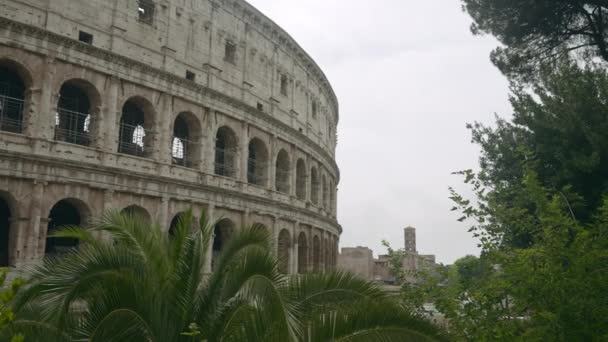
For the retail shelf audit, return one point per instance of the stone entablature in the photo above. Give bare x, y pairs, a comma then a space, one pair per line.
190, 143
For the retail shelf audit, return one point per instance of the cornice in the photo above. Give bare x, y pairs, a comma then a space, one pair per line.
129, 63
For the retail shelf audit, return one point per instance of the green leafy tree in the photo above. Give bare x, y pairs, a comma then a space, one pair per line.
534, 33
6, 297
142, 285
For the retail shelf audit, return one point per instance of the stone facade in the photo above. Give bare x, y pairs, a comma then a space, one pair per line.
361, 261
155, 107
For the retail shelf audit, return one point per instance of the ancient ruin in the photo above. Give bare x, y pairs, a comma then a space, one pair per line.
155, 107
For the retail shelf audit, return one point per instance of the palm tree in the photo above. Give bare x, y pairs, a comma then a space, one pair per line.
140, 284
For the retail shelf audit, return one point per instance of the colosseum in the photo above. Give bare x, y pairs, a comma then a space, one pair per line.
157, 106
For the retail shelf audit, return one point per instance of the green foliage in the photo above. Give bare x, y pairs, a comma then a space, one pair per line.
540, 216
6, 297
537, 32
139, 284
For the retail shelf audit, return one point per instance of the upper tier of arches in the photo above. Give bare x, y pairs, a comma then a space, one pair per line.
189, 137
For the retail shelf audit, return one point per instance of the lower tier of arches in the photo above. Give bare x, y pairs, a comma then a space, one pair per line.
36, 200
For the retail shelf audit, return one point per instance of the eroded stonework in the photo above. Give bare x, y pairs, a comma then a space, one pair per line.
155, 107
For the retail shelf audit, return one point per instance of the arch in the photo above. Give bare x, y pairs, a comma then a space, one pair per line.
260, 226
7, 205
137, 211
75, 108
135, 131
257, 163
282, 172
316, 254
284, 245
14, 80
222, 232
185, 145
225, 152
301, 179
314, 186
324, 192
175, 221
66, 212
302, 253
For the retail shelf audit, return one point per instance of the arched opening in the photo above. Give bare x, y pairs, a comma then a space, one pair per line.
73, 118
137, 212
302, 254
225, 152
179, 216
222, 232
260, 226
283, 251
67, 212
257, 163
135, 136
324, 192
5, 225
314, 186
300, 179
12, 99
316, 254
185, 146
282, 172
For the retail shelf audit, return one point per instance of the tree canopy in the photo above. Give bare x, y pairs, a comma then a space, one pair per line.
536, 32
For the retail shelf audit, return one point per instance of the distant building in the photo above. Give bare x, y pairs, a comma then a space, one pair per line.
361, 261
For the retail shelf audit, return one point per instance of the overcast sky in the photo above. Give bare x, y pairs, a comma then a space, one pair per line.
409, 75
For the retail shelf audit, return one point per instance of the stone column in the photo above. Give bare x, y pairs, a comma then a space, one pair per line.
272, 162
35, 246
111, 117
244, 155
292, 171
40, 120
163, 214
209, 254
295, 257
208, 149
162, 141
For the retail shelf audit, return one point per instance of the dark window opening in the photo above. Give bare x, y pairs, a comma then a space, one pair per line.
282, 172
300, 179
145, 10
73, 119
302, 254
132, 133
12, 94
283, 247
260, 107
230, 52
257, 163
190, 76
284, 84
225, 152
85, 37
5, 222
182, 149
314, 109
63, 214
222, 232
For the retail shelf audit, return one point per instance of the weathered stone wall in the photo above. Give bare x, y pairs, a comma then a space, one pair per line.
357, 260
145, 62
